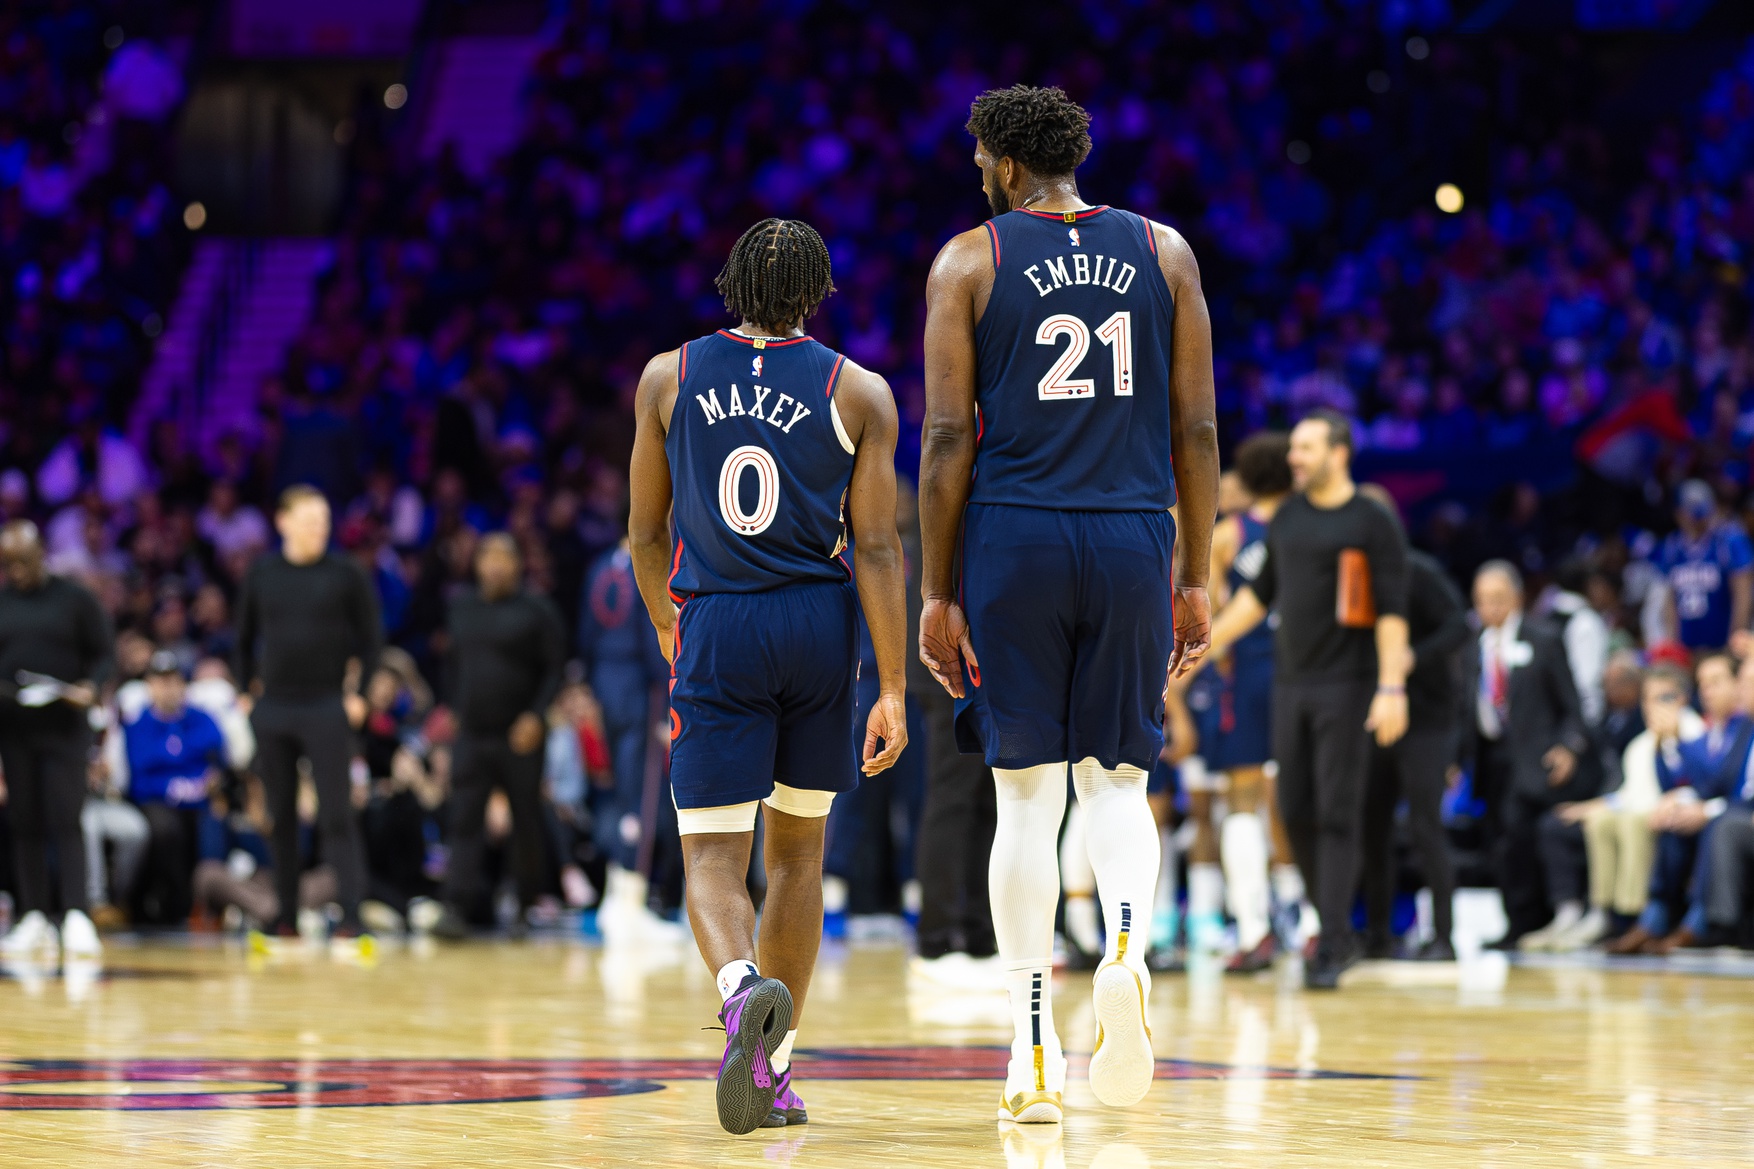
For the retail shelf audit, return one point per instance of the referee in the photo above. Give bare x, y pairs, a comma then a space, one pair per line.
303, 613
56, 649
1338, 675
508, 647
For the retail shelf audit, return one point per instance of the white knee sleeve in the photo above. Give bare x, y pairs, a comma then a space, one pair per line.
1124, 850
796, 801
1023, 879
1243, 844
730, 818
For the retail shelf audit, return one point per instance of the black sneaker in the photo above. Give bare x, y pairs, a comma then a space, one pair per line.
450, 926
1436, 950
1166, 960
1324, 970
1255, 960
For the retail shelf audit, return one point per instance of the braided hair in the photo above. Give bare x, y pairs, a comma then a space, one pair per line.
777, 275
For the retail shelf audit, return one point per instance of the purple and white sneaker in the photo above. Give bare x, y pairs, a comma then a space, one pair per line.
756, 1019
788, 1106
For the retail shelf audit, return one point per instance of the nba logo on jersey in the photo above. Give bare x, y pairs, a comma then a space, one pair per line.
1073, 232
755, 366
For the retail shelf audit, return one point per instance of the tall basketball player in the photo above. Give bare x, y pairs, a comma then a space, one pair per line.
1068, 357
767, 444
1239, 549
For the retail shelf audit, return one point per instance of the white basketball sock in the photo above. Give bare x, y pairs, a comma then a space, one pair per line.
1205, 890
1243, 842
1023, 879
782, 1055
1081, 922
1124, 850
1287, 885
732, 975
1079, 881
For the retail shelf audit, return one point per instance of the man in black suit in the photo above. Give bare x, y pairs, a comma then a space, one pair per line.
1531, 737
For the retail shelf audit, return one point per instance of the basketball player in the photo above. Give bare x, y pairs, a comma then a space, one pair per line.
767, 443
1239, 549
1068, 356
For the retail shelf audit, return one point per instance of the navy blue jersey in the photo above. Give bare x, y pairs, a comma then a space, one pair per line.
1699, 577
1245, 566
1073, 355
760, 465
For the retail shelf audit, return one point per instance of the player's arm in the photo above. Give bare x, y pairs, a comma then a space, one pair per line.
1226, 537
1741, 598
649, 488
960, 275
868, 410
1193, 438
1237, 619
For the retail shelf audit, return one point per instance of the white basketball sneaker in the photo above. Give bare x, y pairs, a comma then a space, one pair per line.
79, 937
31, 937
1122, 1067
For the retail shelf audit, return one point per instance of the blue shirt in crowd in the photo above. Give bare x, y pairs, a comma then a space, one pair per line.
1699, 575
168, 758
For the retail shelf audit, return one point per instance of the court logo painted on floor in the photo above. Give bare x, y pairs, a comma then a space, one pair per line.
193, 1084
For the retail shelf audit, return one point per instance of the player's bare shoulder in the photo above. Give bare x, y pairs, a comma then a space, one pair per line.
964, 263
1175, 258
658, 386
864, 401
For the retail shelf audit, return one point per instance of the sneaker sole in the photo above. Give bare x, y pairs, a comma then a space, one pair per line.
761, 1028
1035, 1112
1123, 1067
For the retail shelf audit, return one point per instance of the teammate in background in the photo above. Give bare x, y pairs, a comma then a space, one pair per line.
1052, 465
1239, 548
1200, 775
767, 443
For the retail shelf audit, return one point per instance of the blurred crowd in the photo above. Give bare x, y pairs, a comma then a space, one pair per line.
470, 361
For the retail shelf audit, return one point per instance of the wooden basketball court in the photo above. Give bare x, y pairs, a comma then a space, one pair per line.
555, 1053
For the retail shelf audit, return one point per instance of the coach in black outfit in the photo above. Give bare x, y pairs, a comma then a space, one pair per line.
1415, 767
52, 627
303, 613
1335, 684
508, 648
1530, 738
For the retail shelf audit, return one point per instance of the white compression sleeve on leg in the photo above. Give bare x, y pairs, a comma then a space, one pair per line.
1023, 880
1078, 880
1243, 844
1124, 850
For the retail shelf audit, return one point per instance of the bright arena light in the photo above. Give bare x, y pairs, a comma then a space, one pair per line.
396, 96
1449, 198
195, 216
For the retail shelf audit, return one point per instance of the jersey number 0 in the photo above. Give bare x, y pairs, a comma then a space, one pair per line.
1116, 333
767, 490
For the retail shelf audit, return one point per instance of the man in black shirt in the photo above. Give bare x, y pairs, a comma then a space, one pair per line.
1416, 766
56, 649
1334, 682
507, 650
303, 613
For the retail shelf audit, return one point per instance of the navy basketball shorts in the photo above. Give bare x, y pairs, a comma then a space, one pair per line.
1247, 740
763, 692
1071, 617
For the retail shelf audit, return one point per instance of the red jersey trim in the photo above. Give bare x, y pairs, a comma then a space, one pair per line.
766, 342
682, 366
834, 375
1061, 215
675, 567
993, 230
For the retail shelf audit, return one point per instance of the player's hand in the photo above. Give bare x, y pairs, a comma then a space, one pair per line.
82, 694
888, 724
1560, 763
945, 644
1193, 628
526, 733
356, 710
667, 633
1388, 717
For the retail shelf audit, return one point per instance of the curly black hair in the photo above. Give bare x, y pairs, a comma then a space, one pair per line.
1041, 128
1261, 465
777, 275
